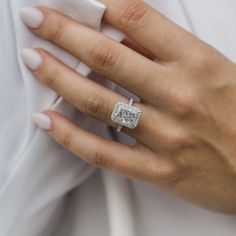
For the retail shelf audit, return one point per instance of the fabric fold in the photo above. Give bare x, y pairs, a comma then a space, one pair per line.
38, 176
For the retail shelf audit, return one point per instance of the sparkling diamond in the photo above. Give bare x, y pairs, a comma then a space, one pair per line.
126, 115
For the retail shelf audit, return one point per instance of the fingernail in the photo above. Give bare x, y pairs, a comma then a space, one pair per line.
42, 120
31, 58
32, 16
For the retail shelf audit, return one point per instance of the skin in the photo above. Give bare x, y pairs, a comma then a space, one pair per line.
186, 138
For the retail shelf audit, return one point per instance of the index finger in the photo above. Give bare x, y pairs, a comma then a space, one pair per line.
148, 27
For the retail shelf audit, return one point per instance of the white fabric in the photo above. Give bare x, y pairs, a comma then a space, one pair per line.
36, 174
34, 170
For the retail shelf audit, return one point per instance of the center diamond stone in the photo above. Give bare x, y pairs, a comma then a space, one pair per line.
126, 115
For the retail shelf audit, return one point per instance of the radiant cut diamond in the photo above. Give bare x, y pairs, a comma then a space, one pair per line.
126, 115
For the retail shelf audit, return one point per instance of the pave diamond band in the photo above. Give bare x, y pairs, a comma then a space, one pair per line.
126, 115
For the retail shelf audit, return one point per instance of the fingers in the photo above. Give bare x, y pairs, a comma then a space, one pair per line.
89, 97
131, 161
148, 27
107, 57
98, 101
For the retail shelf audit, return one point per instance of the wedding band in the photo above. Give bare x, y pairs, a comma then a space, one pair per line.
126, 115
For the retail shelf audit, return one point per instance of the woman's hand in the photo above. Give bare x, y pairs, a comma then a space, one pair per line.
186, 137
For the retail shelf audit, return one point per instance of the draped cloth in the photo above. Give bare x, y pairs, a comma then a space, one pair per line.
44, 189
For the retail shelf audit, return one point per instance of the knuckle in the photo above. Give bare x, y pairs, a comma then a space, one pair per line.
51, 76
188, 105
187, 109
53, 26
103, 55
167, 173
191, 107
131, 14
193, 110
58, 32
101, 160
67, 140
202, 61
181, 144
94, 105
177, 141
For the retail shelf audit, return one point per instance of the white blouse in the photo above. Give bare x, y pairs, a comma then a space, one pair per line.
45, 190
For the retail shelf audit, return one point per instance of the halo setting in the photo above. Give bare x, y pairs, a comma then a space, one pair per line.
126, 115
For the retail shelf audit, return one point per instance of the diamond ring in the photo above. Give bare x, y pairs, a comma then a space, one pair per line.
126, 115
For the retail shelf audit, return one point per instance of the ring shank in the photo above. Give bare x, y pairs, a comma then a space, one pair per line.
119, 128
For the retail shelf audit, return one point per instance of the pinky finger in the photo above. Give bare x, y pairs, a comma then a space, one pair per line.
135, 161
89, 147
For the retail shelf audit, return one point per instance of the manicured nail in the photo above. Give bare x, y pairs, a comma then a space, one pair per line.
31, 16
31, 58
42, 120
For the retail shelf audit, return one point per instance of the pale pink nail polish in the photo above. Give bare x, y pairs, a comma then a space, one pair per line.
32, 16
42, 120
31, 58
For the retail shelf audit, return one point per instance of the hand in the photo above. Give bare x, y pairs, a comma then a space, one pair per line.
186, 137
